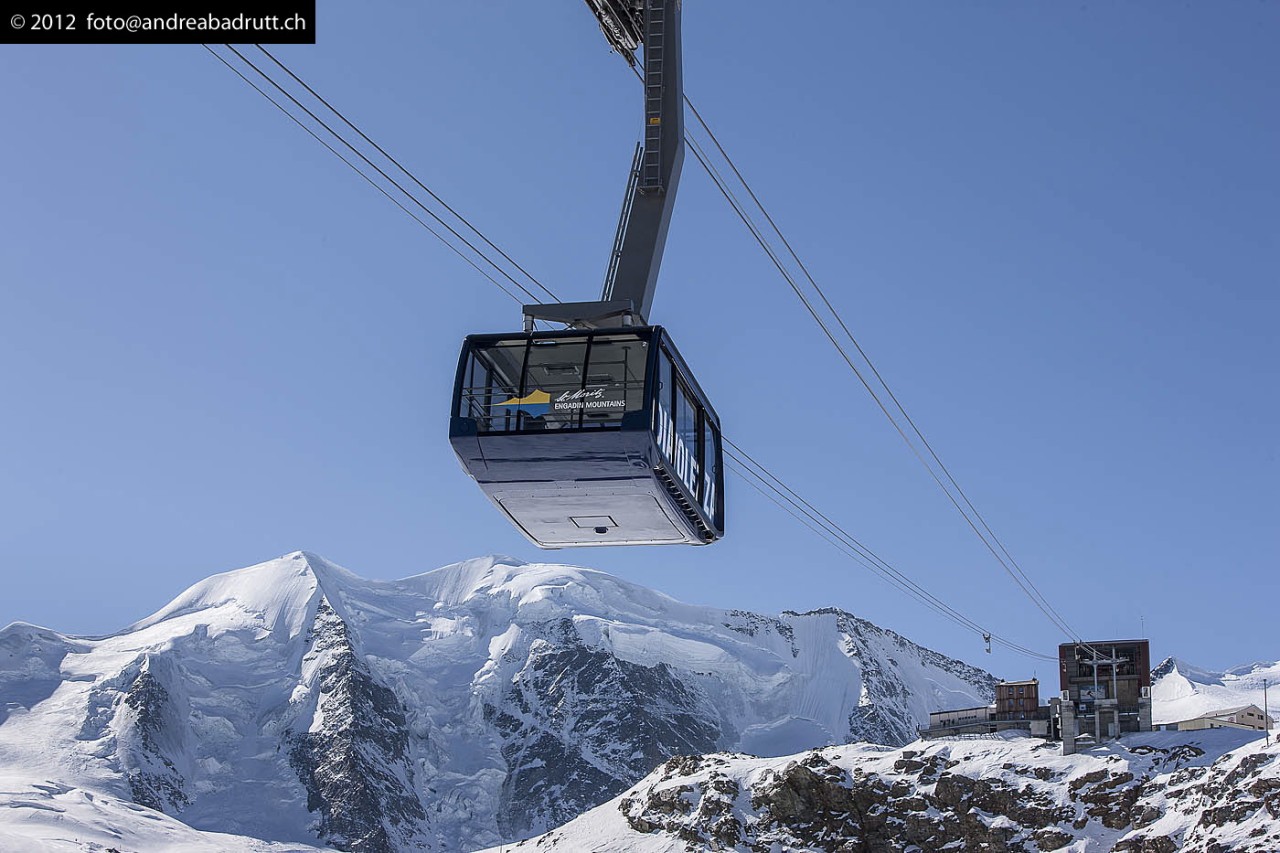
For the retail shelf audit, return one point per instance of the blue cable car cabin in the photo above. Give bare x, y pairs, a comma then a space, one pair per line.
598, 437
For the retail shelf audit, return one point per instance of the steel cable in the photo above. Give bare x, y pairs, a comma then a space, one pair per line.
364, 175
972, 517
505, 274
411, 176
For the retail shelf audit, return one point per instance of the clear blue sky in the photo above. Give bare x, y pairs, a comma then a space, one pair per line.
1053, 226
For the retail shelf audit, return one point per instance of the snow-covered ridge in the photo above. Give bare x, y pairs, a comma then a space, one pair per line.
1207, 791
1183, 691
295, 702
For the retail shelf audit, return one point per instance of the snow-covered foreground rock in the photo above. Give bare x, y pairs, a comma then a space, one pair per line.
1160, 792
294, 702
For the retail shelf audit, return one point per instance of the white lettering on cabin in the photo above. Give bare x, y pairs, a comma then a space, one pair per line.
583, 394
709, 494
576, 405
683, 460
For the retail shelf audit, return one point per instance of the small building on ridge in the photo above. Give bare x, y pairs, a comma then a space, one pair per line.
1018, 700
1241, 717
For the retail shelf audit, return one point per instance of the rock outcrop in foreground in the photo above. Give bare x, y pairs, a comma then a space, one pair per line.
1207, 792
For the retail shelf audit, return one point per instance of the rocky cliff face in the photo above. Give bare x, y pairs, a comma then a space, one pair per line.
577, 722
150, 721
354, 756
885, 714
1210, 792
487, 701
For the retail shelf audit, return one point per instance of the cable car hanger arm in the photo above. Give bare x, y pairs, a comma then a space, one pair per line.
651, 189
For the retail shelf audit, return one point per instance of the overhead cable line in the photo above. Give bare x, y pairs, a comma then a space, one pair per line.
364, 175
945, 481
761, 478
738, 208
412, 176
360, 154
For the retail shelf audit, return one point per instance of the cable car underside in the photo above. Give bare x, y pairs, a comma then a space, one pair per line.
599, 434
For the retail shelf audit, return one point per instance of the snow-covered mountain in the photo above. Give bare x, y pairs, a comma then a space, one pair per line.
1182, 691
297, 703
1156, 792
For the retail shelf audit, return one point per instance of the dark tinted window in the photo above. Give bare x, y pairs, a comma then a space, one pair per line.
554, 381
709, 496
547, 384
686, 457
614, 381
492, 384
686, 418
666, 385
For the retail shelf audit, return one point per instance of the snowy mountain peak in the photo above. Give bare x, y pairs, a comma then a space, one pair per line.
275, 595
1172, 666
545, 587
278, 596
476, 703
1254, 671
458, 582
1182, 691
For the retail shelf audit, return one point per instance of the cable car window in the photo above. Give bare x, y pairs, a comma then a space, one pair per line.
664, 431
477, 385
552, 467
614, 381
686, 456
555, 377
492, 386
666, 386
709, 495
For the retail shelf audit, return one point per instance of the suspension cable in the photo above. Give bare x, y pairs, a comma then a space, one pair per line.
745, 466
364, 175
381, 172
963, 504
411, 176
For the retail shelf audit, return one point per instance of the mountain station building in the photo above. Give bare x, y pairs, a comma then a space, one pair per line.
1017, 707
1105, 689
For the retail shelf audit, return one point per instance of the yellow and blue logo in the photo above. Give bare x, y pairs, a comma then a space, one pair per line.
534, 404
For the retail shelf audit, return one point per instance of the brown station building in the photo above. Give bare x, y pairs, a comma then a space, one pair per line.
1018, 700
1106, 688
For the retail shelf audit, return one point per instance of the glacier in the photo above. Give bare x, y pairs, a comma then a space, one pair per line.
296, 705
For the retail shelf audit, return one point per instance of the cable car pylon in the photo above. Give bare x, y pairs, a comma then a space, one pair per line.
599, 434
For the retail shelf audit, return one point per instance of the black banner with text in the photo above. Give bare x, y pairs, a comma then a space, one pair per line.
157, 21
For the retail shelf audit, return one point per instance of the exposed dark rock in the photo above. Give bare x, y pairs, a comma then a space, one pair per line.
829, 800
1110, 798
580, 725
151, 730
356, 767
1051, 839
